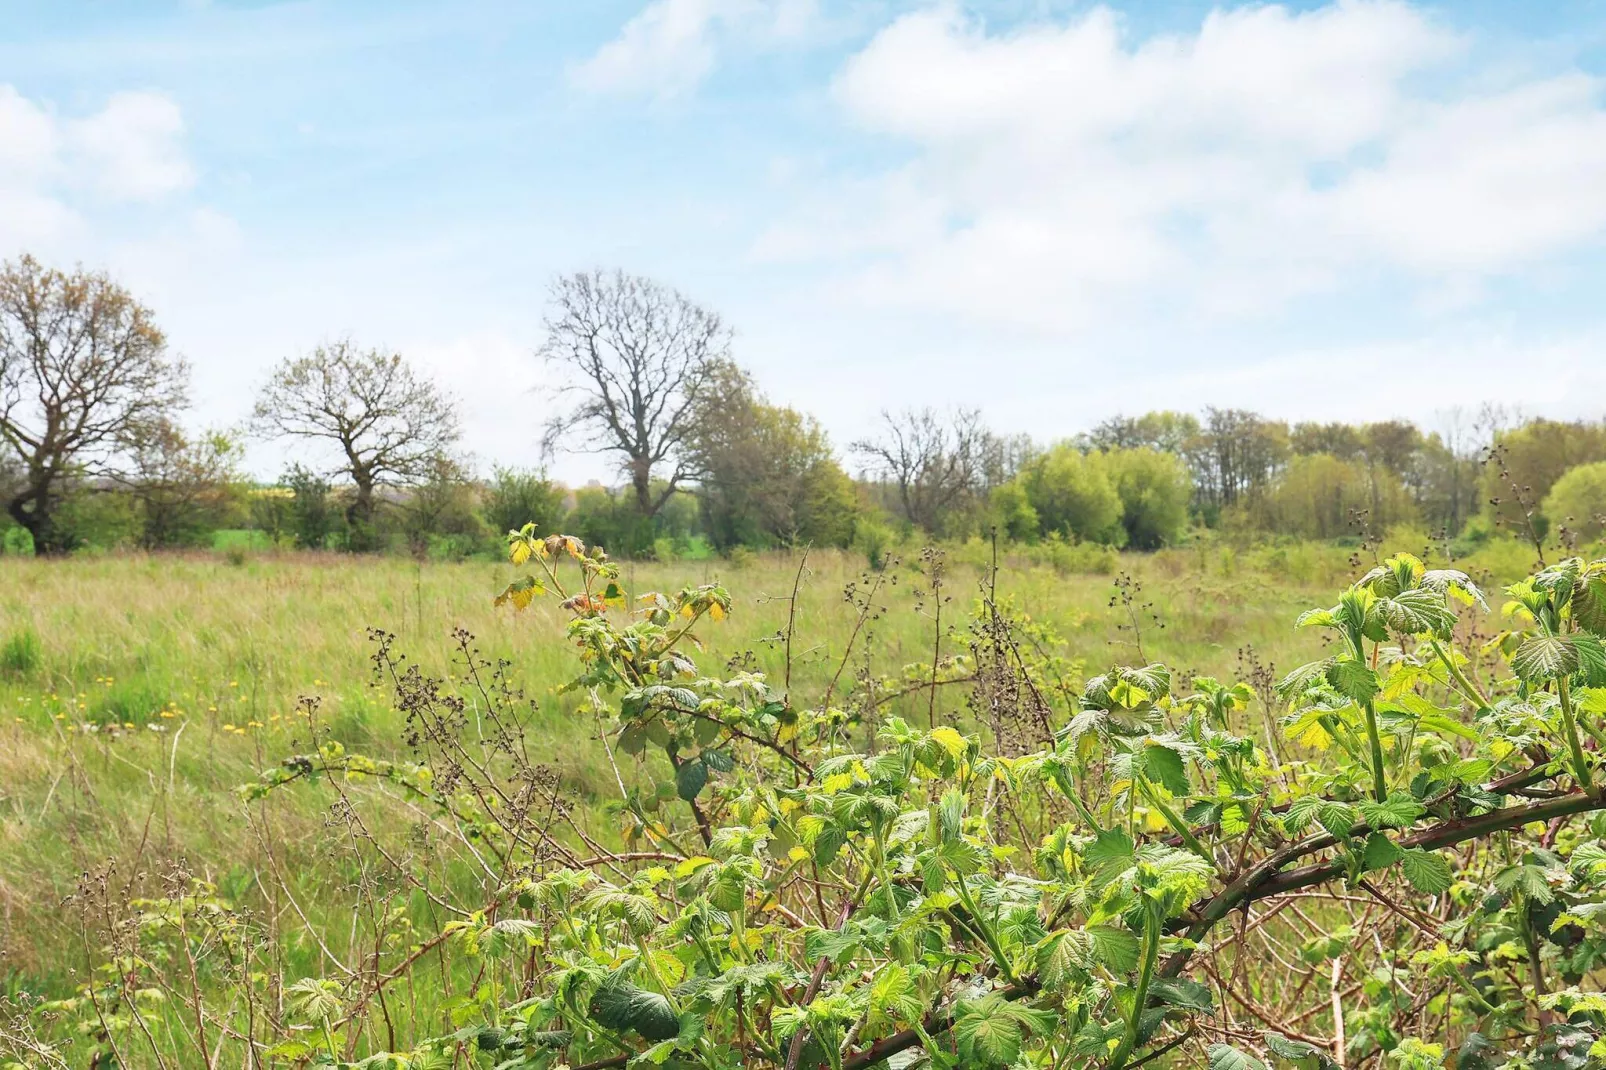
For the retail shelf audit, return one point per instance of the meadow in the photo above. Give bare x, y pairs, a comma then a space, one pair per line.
137, 692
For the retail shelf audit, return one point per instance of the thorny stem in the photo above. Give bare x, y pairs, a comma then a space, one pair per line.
1140, 995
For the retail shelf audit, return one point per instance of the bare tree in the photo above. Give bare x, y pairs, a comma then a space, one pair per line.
935, 465
387, 424
639, 356
82, 367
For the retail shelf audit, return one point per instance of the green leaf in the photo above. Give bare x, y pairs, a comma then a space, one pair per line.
1165, 766
621, 1006
1227, 1057
690, 778
1544, 657
1116, 948
1381, 852
1399, 812
987, 1039
1183, 992
1589, 600
1352, 679
1591, 658
1428, 872
1297, 1051
1110, 855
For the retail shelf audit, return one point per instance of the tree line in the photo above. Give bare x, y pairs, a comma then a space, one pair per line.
94, 450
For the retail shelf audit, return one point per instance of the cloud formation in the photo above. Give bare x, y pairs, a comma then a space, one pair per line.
1060, 172
672, 45
53, 168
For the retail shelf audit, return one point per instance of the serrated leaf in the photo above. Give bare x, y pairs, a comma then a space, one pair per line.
1427, 871
1109, 855
1164, 765
1352, 679
1544, 657
1116, 949
987, 1039
1227, 1057
1183, 992
1381, 852
1398, 812
622, 1007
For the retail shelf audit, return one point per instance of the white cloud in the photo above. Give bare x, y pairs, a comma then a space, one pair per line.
57, 173
133, 148
1061, 173
672, 45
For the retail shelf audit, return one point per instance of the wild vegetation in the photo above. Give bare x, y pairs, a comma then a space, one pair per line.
1187, 740
911, 824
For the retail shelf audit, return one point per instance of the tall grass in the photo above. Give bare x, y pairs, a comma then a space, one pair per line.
137, 691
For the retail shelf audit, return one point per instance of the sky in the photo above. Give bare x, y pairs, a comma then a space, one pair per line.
1053, 211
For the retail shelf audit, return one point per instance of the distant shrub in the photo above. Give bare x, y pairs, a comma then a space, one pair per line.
518, 496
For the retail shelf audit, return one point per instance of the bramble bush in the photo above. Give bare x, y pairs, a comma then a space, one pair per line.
1128, 869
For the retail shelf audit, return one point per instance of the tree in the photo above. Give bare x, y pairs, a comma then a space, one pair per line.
937, 466
1073, 495
83, 367
1577, 502
1154, 489
1235, 455
441, 505
1170, 432
1530, 459
386, 424
179, 484
639, 356
516, 497
766, 473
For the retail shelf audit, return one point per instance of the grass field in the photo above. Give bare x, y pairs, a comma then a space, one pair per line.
136, 691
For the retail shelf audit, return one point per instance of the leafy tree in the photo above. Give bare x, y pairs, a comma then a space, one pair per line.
1528, 462
1154, 489
383, 423
442, 505
1235, 455
1319, 496
315, 519
1168, 432
639, 356
1073, 495
83, 368
766, 474
182, 487
515, 497
1577, 501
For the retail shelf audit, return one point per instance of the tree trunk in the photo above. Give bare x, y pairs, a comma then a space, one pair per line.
360, 535
641, 480
39, 521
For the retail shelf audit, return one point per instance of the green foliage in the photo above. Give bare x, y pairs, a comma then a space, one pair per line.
849, 869
1577, 501
314, 518
1073, 496
515, 497
1154, 489
1531, 460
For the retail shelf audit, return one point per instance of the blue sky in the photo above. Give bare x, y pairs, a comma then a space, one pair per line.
1055, 211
